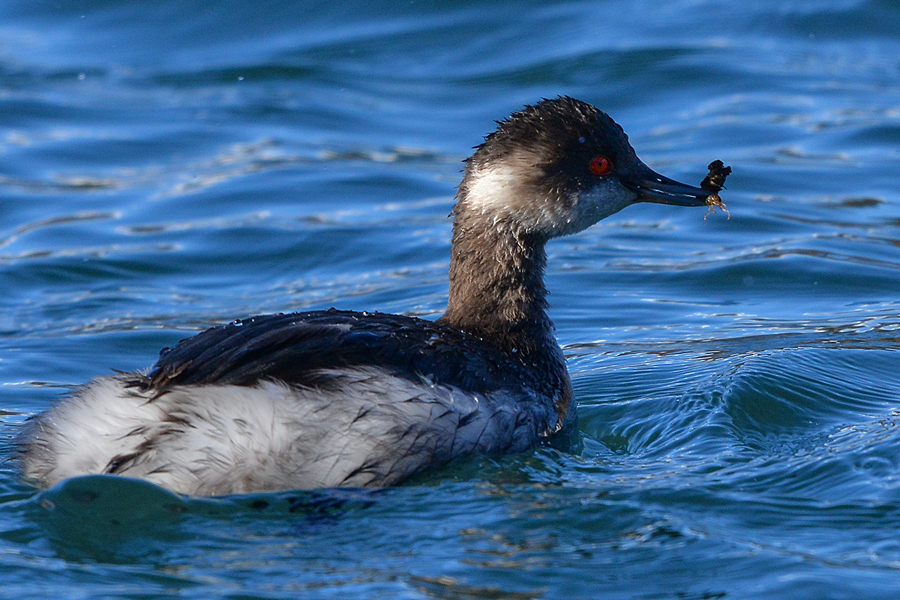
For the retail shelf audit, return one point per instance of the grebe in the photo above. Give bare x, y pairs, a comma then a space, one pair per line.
339, 398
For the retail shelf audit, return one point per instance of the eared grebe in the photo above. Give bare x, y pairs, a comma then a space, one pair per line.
340, 398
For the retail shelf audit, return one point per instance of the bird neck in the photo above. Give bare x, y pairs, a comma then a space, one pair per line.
497, 287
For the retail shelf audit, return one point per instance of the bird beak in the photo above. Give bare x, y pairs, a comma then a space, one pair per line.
650, 186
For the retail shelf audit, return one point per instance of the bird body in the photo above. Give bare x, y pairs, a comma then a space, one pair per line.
341, 398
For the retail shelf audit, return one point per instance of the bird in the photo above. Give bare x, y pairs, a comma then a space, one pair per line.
340, 398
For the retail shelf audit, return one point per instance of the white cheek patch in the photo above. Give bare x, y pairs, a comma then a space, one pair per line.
493, 191
508, 191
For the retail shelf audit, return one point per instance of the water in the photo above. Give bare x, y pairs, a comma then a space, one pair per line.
166, 166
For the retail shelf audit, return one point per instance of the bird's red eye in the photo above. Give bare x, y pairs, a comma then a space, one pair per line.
600, 165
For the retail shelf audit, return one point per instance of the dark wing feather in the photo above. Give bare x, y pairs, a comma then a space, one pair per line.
296, 348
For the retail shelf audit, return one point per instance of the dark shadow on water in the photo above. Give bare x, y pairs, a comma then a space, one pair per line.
114, 519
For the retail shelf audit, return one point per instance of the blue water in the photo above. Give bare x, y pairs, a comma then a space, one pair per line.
166, 166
